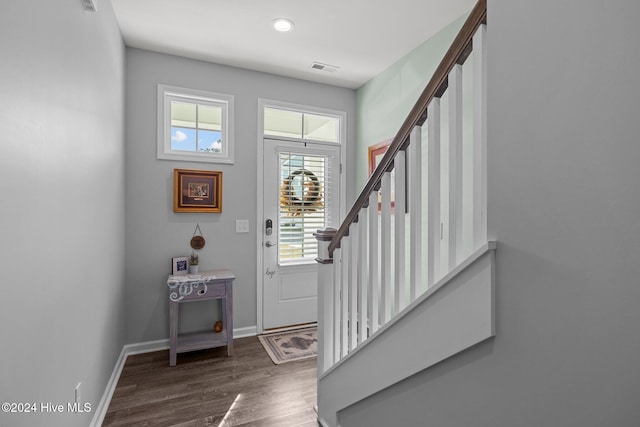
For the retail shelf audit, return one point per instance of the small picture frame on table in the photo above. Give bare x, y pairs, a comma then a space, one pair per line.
180, 265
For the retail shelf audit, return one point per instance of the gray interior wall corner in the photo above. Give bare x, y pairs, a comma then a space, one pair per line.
62, 317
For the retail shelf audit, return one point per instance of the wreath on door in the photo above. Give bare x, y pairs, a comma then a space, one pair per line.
311, 198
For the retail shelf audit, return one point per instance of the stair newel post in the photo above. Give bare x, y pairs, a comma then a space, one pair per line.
325, 299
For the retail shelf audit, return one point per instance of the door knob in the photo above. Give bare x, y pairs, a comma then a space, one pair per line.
270, 244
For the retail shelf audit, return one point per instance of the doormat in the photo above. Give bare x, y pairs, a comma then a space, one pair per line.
290, 346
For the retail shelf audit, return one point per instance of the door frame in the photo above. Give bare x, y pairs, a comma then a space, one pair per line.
262, 103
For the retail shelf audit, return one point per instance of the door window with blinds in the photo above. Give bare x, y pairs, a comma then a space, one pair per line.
303, 207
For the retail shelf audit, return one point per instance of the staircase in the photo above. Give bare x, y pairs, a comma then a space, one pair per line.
408, 279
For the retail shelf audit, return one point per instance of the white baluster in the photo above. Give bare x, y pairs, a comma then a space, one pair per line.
480, 137
455, 165
400, 248
344, 297
337, 307
415, 210
362, 275
386, 301
374, 264
433, 173
354, 263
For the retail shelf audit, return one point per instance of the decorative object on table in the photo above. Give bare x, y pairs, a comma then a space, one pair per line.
290, 346
301, 192
217, 327
197, 241
180, 265
197, 191
194, 261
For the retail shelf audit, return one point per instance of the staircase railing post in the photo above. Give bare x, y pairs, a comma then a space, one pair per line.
325, 299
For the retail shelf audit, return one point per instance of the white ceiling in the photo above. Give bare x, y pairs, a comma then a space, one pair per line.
362, 37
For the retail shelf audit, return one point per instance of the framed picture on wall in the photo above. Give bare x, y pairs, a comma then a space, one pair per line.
376, 153
197, 191
180, 265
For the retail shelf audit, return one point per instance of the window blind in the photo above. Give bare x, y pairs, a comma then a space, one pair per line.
304, 206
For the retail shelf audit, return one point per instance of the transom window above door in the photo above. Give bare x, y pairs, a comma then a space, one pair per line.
194, 125
298, 125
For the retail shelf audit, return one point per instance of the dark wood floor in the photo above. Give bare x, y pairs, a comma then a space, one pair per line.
207, 388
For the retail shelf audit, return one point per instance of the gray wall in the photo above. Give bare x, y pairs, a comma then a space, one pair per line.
62, 209
563, 204
154, 233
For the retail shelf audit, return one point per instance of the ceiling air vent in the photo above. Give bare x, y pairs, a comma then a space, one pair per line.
324, 67
90, 5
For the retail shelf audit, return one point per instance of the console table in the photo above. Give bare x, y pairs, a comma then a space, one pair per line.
207, 285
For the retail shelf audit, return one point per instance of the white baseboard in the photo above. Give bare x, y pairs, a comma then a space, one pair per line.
322, 422
101, 410
140, 348
146, 347
249, 331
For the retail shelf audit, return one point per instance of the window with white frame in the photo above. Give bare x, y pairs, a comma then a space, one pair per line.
194, 125
284, 123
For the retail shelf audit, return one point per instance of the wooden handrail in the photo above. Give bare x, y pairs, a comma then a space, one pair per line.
457, 54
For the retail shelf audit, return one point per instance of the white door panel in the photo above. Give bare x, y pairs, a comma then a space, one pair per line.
301, 186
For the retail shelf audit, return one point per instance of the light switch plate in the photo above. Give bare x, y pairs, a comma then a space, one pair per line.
242, 226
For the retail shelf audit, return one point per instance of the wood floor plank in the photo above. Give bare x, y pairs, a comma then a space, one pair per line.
206, 388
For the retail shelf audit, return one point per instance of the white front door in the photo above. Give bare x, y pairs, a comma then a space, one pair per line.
301, 195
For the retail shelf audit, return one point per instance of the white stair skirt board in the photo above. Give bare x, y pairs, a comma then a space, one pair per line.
139, 348
456, 313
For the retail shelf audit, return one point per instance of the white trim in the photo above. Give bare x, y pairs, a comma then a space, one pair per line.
290, 328
262, 103
141, 348
457, 313
248, 331
127, 350
386, 298
101, 410
455, 166
479, 253
259, 216
374, 267
399, 245
434, 209
480, 136
224, 101
146, 347
415, 208
342, 115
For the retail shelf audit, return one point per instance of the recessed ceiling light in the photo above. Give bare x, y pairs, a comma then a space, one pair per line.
283, 25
